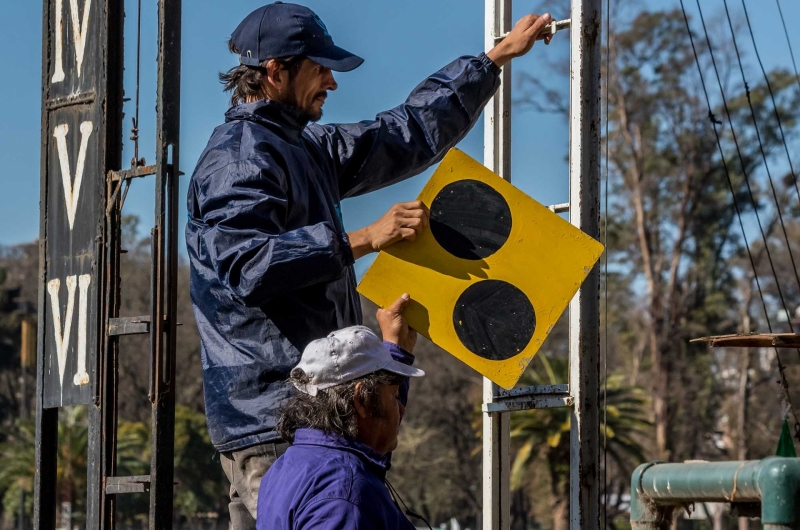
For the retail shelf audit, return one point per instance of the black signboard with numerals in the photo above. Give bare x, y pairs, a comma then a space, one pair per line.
76, 129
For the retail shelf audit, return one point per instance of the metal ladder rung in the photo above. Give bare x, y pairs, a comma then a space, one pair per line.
550, 29
559, 208
134, 484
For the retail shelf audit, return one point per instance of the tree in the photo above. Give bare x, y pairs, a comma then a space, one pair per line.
17, 453
674, 241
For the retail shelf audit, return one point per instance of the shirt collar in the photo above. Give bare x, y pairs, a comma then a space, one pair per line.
381, 463
269, 112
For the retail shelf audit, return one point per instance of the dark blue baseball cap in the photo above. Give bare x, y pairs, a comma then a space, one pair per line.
283, 30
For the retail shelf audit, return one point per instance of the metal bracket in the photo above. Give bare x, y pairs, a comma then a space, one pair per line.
537, 390
134, 484
124, 176
132, 173
128, 326
531, 397
551, 401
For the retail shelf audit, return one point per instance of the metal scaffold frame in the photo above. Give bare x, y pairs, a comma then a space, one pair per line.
581, 394
92, 103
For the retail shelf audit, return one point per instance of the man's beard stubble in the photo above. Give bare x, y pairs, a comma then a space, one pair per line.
290, 99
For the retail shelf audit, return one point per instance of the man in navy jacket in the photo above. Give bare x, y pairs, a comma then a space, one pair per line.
271, 262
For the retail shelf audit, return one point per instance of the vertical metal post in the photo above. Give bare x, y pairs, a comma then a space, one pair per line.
102, 435
165, 264
584, 311
497, 157
44, 483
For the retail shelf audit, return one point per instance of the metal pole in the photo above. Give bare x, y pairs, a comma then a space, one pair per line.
497, 157
165, 265
584, 311
46, 451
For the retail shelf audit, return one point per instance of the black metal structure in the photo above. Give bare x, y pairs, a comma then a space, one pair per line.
79, 251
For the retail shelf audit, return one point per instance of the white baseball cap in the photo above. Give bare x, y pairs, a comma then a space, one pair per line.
345, 355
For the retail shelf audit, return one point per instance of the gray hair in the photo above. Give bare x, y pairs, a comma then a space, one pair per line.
333, 409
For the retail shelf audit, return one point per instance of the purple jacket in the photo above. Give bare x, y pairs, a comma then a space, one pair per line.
326, 481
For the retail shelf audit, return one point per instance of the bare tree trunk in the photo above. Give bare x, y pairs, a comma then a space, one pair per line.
743, 396
561, 515
718, 518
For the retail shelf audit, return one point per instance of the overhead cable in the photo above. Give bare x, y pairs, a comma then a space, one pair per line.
744, 169
772, 95
761, 147
789, 42
784, 384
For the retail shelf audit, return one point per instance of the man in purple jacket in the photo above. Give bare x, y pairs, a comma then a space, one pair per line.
342, 422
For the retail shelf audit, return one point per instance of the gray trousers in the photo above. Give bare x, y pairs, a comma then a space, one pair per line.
245, 469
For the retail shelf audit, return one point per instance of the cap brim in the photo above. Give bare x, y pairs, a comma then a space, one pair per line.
337, 59
399, 368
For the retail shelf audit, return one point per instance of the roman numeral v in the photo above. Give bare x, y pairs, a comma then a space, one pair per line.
72, 189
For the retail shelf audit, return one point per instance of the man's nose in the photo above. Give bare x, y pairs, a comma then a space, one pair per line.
402, 410
330, 82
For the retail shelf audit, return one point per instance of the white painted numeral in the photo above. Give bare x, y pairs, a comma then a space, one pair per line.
63, 332
72, 190
81, 376
80, 27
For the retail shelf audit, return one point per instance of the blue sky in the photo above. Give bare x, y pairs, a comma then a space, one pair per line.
402, 42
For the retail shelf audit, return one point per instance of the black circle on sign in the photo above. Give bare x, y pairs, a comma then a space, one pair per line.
470, 220
494, 319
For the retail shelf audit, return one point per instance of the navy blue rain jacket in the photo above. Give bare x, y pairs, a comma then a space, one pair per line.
271, 265
327, 482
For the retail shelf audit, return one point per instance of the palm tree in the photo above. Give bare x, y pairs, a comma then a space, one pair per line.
544, 436
17, 453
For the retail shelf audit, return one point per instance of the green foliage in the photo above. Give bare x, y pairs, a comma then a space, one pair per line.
199, 490
544, 434
18, 456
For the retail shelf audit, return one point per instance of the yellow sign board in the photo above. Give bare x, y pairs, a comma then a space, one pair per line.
490, 276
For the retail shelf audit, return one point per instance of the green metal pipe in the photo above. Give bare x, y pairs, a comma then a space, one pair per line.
659, 489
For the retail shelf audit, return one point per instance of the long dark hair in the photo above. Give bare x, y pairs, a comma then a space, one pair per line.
332, 409
247, 82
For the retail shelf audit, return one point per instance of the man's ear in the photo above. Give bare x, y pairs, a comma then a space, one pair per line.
359, 402
275, 75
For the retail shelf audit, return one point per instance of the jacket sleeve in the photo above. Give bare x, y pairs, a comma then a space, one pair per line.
244, 232
406, 140
401, 355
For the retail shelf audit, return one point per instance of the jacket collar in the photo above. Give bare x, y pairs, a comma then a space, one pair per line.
379, 464
271, 114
